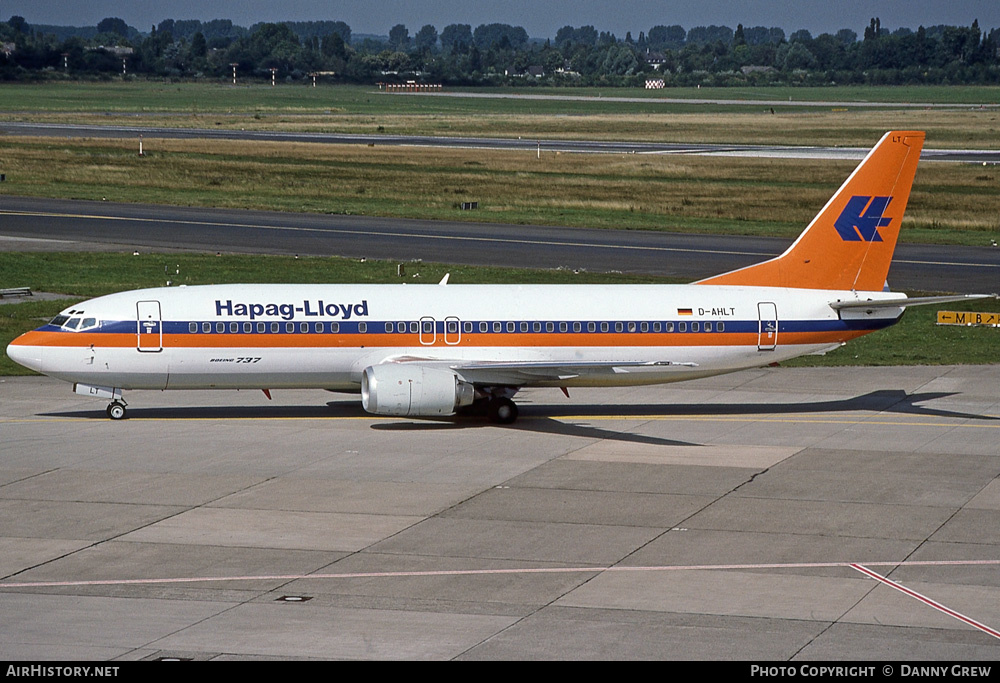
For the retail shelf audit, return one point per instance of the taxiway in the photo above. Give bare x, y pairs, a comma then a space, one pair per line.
776, 514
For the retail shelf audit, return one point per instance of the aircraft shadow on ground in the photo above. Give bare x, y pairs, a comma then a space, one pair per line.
887, 400
551, 418
532, 423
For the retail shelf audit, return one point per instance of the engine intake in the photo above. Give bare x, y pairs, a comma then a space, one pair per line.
405, 389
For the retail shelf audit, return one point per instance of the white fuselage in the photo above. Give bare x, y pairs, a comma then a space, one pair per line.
324, 336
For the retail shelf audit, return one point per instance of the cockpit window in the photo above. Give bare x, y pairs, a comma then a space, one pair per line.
74, 323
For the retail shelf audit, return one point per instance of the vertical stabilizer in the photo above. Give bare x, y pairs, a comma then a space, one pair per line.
849, 244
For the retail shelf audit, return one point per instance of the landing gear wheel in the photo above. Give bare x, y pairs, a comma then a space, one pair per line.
116, 411
502, 411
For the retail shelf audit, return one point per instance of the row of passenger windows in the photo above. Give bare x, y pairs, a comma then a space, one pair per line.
274, 328
451, 327
592, 326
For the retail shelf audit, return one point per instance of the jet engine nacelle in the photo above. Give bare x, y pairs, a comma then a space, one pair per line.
405, 389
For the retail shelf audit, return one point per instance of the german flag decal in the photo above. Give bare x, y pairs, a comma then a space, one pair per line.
684, 311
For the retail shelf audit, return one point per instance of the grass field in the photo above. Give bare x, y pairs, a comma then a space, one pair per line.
951, 203
363, 109
915, 340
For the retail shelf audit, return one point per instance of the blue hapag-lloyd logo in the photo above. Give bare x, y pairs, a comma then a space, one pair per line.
861, 219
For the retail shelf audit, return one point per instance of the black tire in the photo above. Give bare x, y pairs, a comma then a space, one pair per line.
503, 411
116, 411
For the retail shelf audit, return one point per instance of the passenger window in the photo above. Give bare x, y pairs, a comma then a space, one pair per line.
247, 327
721, 327
670, 327
401, 327
362, 327
206, 327
536, 326
682, 327
303, 327
318, 327
334, 328
577, 327
220, 327
644, 327
694, 327
413, 327
618, 327
510, 327
657, 327
484, 327
234, 327
708, 327
261, 328
192, 327
497, 327
467, 327
604, 327
550, 327
524, 327
591, 327
631, 327
428, 327
563, 327
388, 327
289, 328
453, 326
275, 327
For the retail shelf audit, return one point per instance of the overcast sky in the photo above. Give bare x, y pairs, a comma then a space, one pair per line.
541, 18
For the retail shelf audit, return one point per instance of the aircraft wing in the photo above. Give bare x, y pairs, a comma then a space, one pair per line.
518, 373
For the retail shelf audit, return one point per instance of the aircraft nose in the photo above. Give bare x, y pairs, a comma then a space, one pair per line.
22, 354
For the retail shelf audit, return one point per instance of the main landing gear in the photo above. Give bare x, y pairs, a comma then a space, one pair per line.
116, 410
498, 409
501, 410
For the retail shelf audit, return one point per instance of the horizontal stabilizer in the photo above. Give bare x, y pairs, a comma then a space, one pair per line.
902, 302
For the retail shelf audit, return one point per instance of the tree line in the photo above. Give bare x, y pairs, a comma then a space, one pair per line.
502, 54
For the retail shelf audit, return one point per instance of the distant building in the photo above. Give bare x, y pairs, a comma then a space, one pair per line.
751, 69
655, 59
116, 50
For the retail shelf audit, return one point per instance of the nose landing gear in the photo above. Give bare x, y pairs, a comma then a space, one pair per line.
116, 410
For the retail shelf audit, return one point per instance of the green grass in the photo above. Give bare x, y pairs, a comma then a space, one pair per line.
363, 109
951, 203
246, 97
915, 340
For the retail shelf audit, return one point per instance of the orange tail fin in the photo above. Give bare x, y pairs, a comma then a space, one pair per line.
849, 244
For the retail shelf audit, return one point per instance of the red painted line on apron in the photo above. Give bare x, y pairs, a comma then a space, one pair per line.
927, 601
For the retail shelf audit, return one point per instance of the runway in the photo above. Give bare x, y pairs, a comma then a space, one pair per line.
31, 224
70, 130
768, 515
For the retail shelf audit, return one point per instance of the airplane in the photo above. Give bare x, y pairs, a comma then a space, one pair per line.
434, 350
